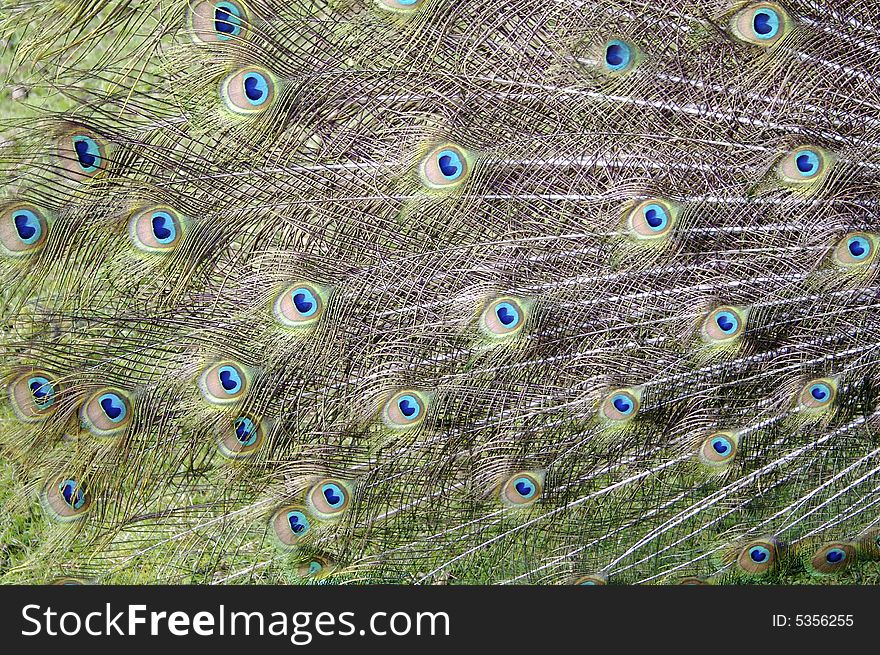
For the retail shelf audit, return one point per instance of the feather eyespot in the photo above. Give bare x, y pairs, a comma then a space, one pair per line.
856, 249
245, 431
33, 396
591, 580
832, 558
106, 413
692, 581
156, 230
315, 567
241, 437
66, 499
522, 488
67, 582
818, 394
445, 166
651, 219
88, 154
758, 557
329, 497
723, 324
217, 21
405, 409
869, 544
618, 56
82, 153
23, 230
762, 24
248, 91
804, 166
503, 317
299, 305
400, 6
224, 383
718, 450
291, 525
620, 405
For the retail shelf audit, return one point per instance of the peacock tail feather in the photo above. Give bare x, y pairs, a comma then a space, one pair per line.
426, 291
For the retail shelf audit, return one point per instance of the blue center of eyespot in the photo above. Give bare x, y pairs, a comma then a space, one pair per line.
524, 487
245, 431
409, 407
230, 379
163, 227
298, 522
820, 391
807, 163
617, 55
858, 247
227, 20
835, 555
721, 445
449, 164
42, 391
622, 403
72, 494
334, 496
759, 554
27, 226
507, 315
765, 23
655, 217
727, 322
304, 301
113, 407
87, 153
256, 88
315, 567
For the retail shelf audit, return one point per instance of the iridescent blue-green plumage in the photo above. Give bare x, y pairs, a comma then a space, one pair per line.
437, 291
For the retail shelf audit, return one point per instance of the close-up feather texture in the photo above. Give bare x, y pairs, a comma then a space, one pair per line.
440, 292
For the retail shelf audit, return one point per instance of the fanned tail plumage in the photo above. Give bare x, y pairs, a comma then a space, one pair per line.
425, 291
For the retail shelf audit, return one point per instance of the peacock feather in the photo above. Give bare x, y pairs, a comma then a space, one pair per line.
433, 291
